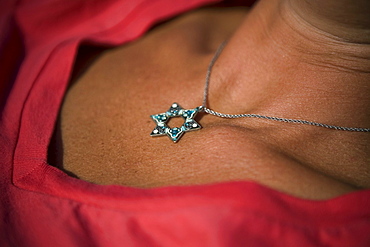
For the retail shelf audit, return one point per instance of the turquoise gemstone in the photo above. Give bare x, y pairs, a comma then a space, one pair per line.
188, 113
175, 131
161, 117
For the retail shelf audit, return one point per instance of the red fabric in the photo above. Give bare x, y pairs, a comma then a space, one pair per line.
42, 206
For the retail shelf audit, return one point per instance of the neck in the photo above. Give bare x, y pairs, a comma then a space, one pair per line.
281, 65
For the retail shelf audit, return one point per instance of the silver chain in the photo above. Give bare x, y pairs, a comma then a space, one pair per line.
279, 119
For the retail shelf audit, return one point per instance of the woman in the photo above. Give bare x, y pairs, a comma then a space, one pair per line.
290, 59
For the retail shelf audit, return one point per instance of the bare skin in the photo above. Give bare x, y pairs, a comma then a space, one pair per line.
275, 63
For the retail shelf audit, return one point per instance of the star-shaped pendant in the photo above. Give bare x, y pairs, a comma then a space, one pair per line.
175, 110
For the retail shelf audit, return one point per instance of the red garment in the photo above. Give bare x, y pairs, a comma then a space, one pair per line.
42, 206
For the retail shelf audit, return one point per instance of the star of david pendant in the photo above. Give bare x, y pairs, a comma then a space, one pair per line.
175, 110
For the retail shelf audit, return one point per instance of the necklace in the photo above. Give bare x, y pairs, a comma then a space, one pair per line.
190, 124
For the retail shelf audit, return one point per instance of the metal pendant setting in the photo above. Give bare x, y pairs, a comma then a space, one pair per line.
175, 110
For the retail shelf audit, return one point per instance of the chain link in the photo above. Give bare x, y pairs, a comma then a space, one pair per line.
204, 108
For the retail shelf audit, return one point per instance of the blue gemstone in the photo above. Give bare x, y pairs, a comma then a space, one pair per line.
161, 117
188, 113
